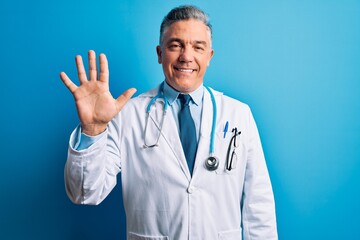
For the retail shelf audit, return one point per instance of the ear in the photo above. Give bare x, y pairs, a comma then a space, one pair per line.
211, 55
159, 54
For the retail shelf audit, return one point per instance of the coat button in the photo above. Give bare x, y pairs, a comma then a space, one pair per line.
191, 189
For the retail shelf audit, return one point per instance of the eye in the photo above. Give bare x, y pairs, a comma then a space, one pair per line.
174, 46
199, 48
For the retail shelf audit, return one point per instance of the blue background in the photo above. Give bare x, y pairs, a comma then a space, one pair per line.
296, 63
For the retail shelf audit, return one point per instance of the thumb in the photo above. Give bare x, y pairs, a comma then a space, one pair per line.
124, 97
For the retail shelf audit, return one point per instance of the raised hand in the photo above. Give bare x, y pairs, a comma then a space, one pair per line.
94, 102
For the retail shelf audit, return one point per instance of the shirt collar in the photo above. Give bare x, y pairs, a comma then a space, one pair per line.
171, 94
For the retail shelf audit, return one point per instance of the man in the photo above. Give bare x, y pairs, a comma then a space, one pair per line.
171, 188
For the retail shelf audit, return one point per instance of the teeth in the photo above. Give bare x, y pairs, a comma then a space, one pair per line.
185, 70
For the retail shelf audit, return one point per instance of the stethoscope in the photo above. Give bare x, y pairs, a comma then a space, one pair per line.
212, 162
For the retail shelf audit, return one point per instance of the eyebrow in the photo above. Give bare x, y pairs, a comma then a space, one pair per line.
174, 40
200, 42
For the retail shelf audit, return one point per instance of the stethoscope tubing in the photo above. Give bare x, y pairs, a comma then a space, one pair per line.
212, 162
212, 137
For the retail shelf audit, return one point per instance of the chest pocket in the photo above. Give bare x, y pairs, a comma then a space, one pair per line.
230, 151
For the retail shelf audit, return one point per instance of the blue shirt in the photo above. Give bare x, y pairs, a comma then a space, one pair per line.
195, 104
84, 141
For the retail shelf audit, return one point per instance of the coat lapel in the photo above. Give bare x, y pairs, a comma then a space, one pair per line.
169, 133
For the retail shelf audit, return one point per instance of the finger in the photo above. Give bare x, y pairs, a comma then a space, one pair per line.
68, 83
92, 65
80, 69
123, 98
104, 68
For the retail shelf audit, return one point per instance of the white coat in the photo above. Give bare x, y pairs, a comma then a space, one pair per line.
161, 199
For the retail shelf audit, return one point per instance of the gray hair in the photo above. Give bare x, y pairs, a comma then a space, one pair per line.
184, 12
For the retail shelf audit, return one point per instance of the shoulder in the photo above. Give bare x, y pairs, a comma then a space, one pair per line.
142, 98
228, 102
136, 106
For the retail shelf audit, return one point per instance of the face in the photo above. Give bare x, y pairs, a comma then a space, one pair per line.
185, 53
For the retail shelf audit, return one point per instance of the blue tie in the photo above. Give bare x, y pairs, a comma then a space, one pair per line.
187, 131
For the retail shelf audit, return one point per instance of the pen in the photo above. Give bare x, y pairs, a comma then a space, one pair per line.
226, 128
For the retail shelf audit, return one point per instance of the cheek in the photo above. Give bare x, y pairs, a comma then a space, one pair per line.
203, 66
205, 63
170, 57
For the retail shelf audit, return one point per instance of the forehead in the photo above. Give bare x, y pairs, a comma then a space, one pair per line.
188, 30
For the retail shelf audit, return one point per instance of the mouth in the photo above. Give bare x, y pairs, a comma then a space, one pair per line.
185, 70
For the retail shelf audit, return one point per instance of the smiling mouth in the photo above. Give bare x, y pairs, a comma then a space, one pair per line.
185, 70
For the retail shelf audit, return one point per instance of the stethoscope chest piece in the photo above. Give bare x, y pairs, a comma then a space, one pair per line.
212, 163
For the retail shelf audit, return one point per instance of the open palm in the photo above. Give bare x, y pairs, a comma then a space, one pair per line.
94, 102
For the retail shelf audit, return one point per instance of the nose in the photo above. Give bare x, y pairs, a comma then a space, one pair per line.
186, 55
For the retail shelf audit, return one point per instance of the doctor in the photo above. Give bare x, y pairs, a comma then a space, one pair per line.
202, 177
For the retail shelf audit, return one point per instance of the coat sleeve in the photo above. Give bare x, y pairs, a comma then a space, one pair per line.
258, 205
90, 174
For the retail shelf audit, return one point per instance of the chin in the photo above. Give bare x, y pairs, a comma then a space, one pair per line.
184, 85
